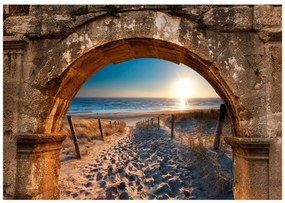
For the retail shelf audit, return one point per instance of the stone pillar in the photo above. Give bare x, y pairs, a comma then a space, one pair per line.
38, 166
14, 51
251, 167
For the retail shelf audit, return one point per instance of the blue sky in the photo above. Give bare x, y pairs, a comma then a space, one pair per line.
145, 78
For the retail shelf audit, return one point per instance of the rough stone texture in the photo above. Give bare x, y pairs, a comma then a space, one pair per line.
221, 18
9, 165
251, 165
275, 162
39, 179
267, 17
17, 10
276, 76
57, 26
51, 50
229, 19
13, 57
29, 25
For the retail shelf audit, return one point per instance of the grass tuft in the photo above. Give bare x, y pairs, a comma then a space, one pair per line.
87, 130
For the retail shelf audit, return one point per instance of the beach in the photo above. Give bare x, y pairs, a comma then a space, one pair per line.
131, 118
146, 163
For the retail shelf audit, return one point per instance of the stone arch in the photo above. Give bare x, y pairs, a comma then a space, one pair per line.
119, 51
218, 49
164, 36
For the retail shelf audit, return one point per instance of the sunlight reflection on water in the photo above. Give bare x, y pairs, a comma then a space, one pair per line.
114, 105
182, 104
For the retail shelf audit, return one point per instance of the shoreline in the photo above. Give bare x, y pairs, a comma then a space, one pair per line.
131, 118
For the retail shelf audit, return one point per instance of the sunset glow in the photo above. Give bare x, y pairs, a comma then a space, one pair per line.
183, 89
152, 78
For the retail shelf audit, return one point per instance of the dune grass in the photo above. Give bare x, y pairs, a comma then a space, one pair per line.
87, 130
196, 130
197, 114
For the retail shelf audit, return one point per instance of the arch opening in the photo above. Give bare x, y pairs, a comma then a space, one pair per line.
111, 174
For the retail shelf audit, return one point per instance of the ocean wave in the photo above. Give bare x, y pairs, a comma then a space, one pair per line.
112, 105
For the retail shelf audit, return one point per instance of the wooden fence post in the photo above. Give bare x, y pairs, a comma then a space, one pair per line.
172, 125
100, 127
158, 123
74, 137
220, 124
110, 124
151, 121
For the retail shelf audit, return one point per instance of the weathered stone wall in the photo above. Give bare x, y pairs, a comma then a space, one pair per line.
50, 51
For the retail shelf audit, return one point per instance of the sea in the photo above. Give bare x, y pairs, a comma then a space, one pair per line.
80, 105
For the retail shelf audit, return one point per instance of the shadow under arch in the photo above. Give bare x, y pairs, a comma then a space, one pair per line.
81, 69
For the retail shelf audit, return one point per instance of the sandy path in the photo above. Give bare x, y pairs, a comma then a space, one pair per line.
142, 165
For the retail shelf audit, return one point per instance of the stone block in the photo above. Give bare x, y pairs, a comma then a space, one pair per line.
234, 68
255, 102
266, 16
39, 10
57, 26
33, 102
229, 19
138, 22
29, 123
240, 42
235, 63
206, 44
255, 127
27, 25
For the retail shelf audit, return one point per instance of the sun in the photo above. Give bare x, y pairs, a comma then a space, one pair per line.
183, 89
